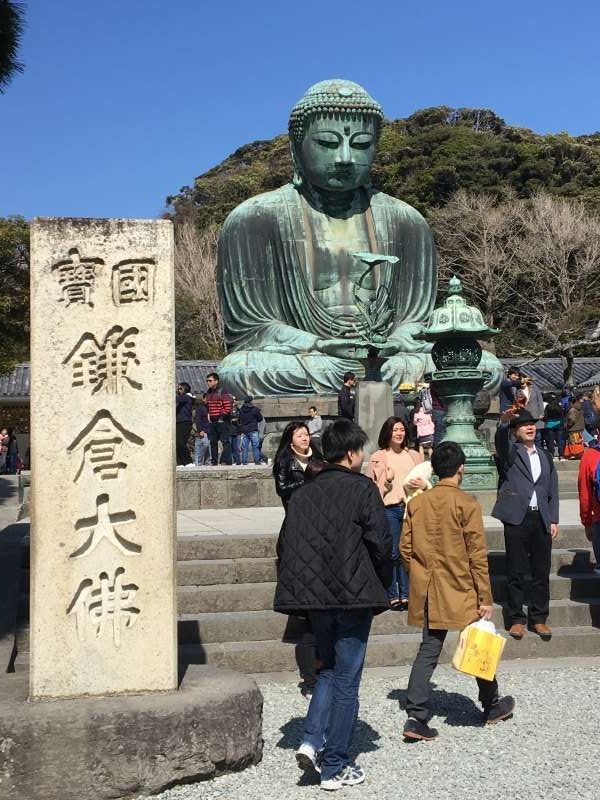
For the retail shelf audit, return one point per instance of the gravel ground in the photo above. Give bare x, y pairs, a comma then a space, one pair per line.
548, 750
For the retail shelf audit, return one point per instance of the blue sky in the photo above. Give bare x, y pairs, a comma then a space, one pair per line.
124, 101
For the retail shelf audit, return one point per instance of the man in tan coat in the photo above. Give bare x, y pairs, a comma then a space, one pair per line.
443, 548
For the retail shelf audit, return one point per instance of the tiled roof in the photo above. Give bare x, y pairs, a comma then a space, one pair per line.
194, 373
547, 373
15, 383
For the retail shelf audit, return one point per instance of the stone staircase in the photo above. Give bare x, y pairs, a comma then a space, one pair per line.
226, 586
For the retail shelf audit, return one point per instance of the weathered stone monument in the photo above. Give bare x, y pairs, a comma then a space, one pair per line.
124, 718
103, 606
317, 273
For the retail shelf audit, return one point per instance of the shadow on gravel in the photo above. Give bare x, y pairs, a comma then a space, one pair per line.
456, 709
364, 741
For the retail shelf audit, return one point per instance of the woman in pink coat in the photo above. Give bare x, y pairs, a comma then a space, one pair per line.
389, 468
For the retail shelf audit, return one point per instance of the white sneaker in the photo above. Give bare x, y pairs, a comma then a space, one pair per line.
349, 776
306, 757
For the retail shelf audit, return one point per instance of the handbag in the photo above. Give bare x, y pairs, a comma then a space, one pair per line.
479, 650
574, 447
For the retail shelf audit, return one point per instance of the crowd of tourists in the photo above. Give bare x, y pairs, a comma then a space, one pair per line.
215, 428
395, 532
566, 423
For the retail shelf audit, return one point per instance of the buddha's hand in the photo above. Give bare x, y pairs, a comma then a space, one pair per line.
402, 341
340, 348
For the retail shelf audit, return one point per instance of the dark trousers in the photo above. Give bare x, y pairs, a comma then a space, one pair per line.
219, 432
306, 657
552, 440
418, 694
182, 434
528, 550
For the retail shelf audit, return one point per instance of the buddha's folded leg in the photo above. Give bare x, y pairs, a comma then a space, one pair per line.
412, 367
490, 362
406, 368
265, 373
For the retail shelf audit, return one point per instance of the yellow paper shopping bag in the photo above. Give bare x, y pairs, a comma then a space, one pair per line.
479, 650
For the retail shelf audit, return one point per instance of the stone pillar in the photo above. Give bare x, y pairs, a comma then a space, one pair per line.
103, 602
374, 404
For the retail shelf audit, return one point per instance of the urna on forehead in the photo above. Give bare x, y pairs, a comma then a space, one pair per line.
335, 96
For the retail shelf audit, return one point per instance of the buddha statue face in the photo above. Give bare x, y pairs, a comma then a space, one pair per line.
337, 151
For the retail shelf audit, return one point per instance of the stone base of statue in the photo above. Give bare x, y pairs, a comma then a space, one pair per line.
457, 388
374, 404
121, 746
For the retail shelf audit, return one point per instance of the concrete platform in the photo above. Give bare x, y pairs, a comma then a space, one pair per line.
267, 520
101, 748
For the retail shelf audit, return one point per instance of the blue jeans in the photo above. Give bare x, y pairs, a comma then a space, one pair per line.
341, 638
596, 542
439, 422
398, 588
247, 439
201, 451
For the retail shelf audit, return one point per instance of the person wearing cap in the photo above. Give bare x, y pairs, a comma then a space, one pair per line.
527, 505
249, 417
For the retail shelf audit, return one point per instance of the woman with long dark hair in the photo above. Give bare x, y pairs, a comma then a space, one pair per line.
293, 456
294, 463
389, 468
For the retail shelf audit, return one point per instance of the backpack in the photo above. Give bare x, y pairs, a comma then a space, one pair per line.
426, 401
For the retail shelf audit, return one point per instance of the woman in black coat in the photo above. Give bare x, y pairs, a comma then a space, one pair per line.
293, 456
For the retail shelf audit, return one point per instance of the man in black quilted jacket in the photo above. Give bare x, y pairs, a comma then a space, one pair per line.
335, 561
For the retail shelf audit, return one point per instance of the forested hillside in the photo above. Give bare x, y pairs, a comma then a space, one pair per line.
423, 160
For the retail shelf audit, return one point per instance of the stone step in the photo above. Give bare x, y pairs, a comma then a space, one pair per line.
264, 626
248, 626
230, 570
259, 596
223, 546
385, 650
203, 547
207, 572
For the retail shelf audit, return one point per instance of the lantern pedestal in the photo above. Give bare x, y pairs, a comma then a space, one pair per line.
458, 388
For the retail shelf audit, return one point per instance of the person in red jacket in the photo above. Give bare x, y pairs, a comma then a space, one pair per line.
589, 503
219, 405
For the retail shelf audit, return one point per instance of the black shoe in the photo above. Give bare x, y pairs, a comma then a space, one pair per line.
503, 709
413, 729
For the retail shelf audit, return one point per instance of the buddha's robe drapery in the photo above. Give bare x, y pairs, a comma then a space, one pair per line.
272, 317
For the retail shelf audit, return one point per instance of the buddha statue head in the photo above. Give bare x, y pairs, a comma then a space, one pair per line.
334, 129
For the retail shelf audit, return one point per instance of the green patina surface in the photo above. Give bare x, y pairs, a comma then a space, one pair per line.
314, 274
454, 330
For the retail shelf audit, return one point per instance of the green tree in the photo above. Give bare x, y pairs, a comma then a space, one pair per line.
14, 292
12, 22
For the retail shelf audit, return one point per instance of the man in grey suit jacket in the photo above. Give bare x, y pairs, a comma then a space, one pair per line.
527, 504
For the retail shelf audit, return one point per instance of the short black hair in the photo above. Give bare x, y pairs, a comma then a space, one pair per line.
446, 459
342, 436
186, 387
348, 376
385, 434
212, 375
312, 408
